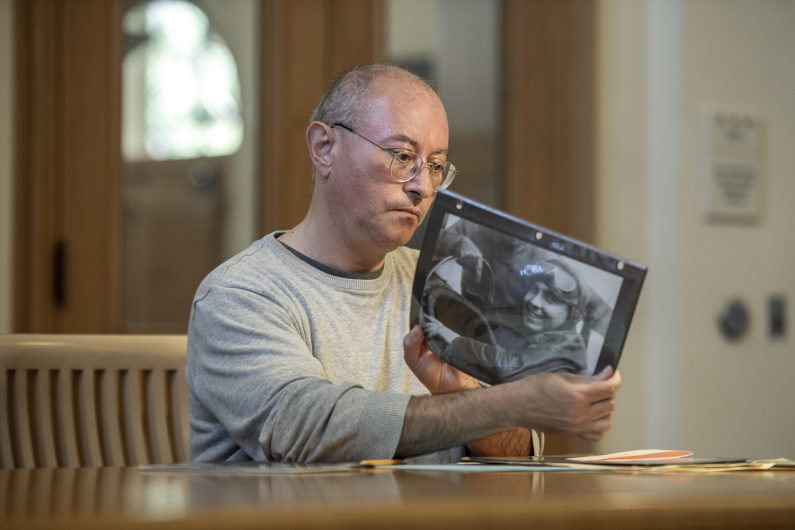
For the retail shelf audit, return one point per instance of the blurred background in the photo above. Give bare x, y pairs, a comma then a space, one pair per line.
143, 142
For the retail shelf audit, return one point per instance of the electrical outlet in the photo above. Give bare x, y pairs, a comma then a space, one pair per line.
777, 317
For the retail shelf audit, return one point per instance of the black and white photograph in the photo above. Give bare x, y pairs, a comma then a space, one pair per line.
500, 299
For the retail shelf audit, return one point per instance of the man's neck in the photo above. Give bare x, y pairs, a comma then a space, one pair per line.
333, 252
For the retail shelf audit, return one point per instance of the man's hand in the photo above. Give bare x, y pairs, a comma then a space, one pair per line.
575, 404
552, 402
438, 376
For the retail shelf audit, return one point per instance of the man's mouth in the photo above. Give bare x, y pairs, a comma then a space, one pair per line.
411, 210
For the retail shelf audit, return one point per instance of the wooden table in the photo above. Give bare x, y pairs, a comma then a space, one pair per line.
120, 498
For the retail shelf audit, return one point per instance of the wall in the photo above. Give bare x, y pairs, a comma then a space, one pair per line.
661, 62
6, 161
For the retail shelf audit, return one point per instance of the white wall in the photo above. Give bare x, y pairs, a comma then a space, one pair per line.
661, 62
6, 161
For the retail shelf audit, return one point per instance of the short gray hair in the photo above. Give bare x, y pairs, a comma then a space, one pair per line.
342, 100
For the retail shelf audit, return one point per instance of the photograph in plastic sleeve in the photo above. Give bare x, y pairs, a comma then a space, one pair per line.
500, 299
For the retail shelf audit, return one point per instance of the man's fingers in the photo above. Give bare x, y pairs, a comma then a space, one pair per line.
616, 378
599, 387
603, 408
597, 428
602, 425
414, 337
412, 345
604, 375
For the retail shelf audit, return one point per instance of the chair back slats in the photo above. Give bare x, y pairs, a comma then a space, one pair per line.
22, 443
178, 421
6, 451
134, 423
41, 384
67, 440
161, 445
86, 388
111, 417
92, 401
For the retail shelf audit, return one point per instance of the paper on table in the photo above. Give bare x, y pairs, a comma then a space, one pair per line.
626, 459
638, 454
713, 468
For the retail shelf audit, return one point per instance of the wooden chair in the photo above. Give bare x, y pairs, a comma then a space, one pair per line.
92, 400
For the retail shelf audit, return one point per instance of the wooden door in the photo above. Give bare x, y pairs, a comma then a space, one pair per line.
67, 166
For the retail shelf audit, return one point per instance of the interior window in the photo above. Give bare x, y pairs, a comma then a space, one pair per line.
182, 93
188, 87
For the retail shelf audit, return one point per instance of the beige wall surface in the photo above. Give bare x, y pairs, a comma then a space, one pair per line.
662, 64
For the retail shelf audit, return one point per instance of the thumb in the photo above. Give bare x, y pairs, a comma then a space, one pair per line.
604, 375
412, 341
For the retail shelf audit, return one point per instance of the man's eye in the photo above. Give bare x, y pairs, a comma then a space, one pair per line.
404, 157
436, 167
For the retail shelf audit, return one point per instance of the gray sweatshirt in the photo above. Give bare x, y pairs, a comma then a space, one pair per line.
289, 363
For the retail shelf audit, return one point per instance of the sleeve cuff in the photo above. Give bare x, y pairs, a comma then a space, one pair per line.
381, 424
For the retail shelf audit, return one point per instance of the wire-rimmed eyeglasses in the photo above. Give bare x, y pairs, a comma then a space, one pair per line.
406, 165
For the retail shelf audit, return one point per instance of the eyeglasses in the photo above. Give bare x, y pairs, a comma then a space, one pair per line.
406, 165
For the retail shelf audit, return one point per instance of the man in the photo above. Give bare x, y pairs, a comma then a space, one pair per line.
294, 345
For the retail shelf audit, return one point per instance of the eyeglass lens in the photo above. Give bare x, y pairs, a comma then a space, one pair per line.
406, 166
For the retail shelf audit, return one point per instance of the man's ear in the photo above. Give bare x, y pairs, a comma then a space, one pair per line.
319, 141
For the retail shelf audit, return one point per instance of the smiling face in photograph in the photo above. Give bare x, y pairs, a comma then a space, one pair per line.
543, 310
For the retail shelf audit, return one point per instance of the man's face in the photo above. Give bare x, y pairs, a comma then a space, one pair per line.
543, 311
376, 211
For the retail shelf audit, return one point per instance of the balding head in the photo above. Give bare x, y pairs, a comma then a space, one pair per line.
366, 117
349, 93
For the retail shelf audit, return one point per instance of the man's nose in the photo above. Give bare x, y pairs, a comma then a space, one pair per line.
422, 183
